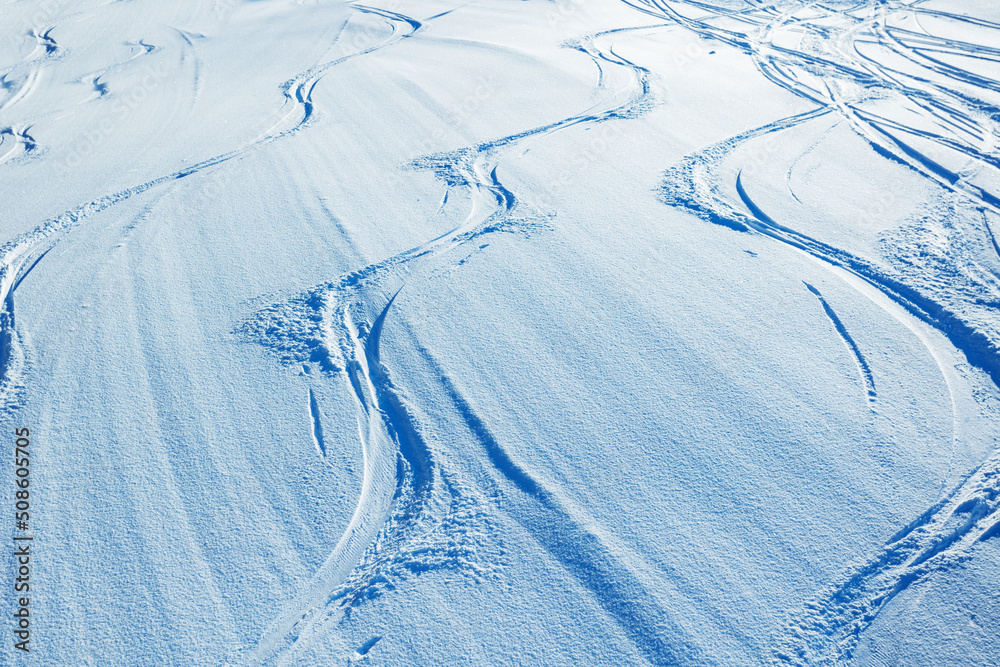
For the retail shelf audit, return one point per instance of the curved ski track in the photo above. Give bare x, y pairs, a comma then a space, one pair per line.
848, 51
16, 253
390, 519
46, 49
404, 485
863, 368
15, 142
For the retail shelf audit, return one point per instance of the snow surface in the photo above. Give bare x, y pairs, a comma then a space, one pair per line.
501, 332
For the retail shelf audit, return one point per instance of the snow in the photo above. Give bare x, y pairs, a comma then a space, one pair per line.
555, 333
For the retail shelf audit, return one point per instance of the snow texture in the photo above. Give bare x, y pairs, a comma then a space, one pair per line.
639, 332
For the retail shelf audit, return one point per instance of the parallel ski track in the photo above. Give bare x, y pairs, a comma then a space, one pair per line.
966, 120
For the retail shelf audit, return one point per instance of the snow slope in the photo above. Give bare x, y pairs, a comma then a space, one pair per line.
543, 333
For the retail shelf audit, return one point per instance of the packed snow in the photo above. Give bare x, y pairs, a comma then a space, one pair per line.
543, 332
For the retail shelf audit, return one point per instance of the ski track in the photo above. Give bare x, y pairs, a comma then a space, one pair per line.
11, 353
587, 555
46, 45
942, 538
867, 378
15, 142
100, 89
46, 49
30, 83
405, 488
188, 38
14, 254
328, 326
317, 424
958, 124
